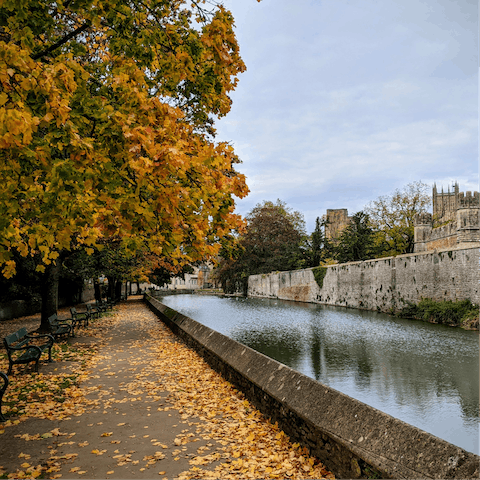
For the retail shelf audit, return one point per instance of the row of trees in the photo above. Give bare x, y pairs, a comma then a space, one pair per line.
108, 158
107, 143
276, 240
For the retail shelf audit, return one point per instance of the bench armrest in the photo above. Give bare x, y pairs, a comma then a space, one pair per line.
72, 321
4, 377
66, 322
21, 347
27, 348
34, 347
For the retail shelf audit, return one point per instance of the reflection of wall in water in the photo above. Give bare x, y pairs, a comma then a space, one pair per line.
377, 352
277, 345
401, 365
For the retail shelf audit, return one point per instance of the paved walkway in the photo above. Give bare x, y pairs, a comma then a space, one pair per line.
126, 399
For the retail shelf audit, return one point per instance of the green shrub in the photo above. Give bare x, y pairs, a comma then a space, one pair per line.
445, 312
409, 311
319, 274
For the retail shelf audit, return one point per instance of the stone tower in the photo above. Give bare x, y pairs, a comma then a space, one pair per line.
445, 204
467, 217
337, 219
455, 221
422, 231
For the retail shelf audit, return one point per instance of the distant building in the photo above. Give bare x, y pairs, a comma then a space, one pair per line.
336, 222
454, 222
200, 278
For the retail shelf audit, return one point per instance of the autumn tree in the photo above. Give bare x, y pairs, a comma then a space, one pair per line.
393, 216
106, 131
272, 241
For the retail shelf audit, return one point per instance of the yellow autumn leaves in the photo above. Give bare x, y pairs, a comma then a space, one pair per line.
106, 130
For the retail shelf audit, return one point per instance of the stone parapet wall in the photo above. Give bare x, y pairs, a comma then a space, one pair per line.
384, 284
457, 214
352, 439
442, 237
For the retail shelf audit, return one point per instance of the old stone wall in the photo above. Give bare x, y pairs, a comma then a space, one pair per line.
352, 439
20, 308
443, 237
336, 222
384, 284
455, 222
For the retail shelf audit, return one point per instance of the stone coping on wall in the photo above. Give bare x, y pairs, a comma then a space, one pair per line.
476, 246
352, 439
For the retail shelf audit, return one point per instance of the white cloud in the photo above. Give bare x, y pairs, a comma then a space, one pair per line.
344, 101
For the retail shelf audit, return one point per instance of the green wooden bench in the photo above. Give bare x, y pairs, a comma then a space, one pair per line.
93, 311
20, 349
103, 305
4, 377
79, 317
61, 328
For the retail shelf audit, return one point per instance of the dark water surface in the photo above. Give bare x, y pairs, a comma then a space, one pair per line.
426, 375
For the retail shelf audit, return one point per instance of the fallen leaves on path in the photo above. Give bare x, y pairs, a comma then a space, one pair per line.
241, 443
252, 446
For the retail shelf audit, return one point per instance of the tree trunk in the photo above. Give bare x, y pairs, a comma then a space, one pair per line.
97, 290
118, 291
81, 287
111, 288
49, 293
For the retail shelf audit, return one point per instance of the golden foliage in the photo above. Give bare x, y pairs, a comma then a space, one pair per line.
104, 114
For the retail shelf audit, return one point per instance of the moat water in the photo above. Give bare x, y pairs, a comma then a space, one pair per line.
426, 375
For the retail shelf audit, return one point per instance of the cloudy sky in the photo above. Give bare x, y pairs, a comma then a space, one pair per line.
347, 100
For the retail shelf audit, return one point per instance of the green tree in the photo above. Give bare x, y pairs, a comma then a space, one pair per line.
106, 130
357, 241
318, 249
317, 239
273, 241
393, 216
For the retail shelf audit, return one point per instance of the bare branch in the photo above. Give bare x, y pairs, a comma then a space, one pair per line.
61, 42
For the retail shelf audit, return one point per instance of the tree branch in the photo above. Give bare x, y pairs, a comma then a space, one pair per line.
61, 42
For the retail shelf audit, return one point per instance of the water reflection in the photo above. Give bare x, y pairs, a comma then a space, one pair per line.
426, 375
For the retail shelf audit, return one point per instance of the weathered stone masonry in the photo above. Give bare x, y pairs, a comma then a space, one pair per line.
455, 222
384, 284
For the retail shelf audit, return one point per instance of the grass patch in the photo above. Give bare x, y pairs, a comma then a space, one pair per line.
460, 313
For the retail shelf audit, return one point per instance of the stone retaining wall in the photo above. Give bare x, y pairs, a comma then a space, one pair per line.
352, 439
384, 284
21, 308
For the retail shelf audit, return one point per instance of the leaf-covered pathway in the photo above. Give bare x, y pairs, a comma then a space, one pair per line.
128, 400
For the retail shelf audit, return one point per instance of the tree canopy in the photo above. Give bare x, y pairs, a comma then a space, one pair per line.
318, 249
393, 216
357, 240
272, 241
106, 129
